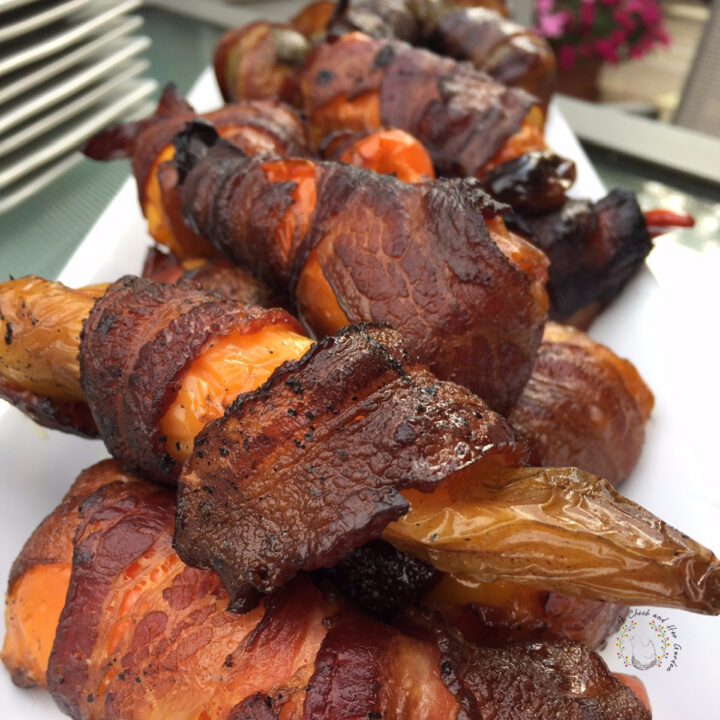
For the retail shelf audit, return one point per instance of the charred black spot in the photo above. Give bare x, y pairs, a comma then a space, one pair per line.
385, 56
106, 323
323, 77
294, 385
404, 434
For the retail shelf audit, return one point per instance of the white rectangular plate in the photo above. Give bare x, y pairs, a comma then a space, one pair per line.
33, 75
664, 322
37, 16
47, 41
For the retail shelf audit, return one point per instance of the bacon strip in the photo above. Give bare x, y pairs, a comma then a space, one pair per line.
508, 52
594, 249
300, 472
215, 275
143, 636
136, 343
418, 257
70, 417
534, 680
39, 578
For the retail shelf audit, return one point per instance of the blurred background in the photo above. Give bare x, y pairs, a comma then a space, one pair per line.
641, 80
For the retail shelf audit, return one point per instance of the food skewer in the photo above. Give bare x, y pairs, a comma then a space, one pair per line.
594, 248
256, 456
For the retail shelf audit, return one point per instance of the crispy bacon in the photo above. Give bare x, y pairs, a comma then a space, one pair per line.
532, 680
508, 52
141, 633
594, 249
39, 578
136, 343
470, 521
343, 429
143, 636
69, 416
418, 257
276, 128
382, 580
583, 406
215, 275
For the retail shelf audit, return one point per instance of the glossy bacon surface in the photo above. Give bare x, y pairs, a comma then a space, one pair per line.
214, 274
39, 578
533, 680
136, 344
594, 249
143, 637
462, 116
418, 257
308, 467
583, 406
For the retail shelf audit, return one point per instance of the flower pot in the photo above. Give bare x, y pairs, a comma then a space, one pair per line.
581, 80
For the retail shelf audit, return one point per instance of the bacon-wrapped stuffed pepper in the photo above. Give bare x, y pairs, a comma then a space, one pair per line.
140, 635
433, 260
361, 432
255, 126
468, 122
508, 52
263, 59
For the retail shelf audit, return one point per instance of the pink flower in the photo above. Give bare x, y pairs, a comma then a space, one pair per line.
605, 50
617, 37
607, 29
566, 56
622, 18
587, 13
552, 25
